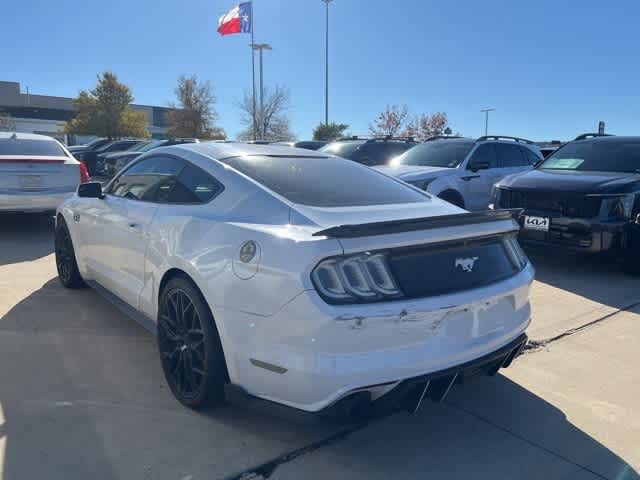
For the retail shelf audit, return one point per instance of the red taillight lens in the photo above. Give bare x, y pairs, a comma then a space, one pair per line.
84, 173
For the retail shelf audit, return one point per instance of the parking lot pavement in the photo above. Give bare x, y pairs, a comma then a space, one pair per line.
82, 395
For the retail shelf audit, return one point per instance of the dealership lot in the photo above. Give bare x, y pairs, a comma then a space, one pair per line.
82, 394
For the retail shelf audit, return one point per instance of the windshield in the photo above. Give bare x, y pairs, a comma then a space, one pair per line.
324, 181
342, 149
137, 146
149, 146
600, 156
446, 153
95, 143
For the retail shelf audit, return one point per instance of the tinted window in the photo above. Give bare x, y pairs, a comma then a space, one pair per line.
324, 181
380, 153
446, 153
510, 156
17, 146
602, 156
150, 179
485, 153
342, 149
194, 186
165, 180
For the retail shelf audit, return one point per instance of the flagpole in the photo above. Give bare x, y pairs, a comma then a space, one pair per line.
253, 77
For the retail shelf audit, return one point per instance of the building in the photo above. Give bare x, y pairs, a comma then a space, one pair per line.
46, 115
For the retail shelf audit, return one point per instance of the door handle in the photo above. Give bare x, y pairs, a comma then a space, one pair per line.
133, 226
470, 177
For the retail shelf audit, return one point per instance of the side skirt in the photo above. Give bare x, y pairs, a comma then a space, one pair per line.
144, 321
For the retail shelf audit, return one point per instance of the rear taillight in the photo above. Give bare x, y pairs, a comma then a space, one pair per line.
353, 279
84, 173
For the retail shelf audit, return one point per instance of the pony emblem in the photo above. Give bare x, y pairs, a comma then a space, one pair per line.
466, 263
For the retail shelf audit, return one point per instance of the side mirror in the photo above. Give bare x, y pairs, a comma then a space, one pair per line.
475, 166
90, 190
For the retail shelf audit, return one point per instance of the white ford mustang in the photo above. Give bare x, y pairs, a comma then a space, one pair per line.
289, 276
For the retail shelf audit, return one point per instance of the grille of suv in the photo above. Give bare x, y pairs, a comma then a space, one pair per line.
556, 203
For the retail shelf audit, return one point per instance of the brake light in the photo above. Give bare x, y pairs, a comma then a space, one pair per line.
84, 173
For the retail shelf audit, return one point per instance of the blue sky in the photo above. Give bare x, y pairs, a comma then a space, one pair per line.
551, 69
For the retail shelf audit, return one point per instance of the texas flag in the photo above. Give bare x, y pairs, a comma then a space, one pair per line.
236, 20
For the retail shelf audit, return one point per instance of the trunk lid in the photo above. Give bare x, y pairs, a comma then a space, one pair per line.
38, 173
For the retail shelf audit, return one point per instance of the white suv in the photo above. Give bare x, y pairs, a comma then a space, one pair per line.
463, 171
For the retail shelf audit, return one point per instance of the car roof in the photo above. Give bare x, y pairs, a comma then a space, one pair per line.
218, 150
26, 136
608, 139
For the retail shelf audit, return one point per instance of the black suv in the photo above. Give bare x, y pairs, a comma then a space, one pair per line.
584, 197
369, 151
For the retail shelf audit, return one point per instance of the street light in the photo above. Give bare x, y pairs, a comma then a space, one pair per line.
486, 119
326, 65
260, 47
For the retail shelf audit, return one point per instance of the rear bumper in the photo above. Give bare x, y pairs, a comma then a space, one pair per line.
33, 201
311, 355
587, 236
409, 394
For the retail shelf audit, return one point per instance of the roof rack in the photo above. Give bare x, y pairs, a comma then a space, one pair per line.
376, 138
442, 137
503, 137
591, 135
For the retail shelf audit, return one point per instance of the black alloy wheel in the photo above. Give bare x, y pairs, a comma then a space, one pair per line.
189, 346
66, 265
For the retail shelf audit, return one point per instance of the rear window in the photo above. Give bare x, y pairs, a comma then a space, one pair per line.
342, 149
445, 153
324, 181
40, 148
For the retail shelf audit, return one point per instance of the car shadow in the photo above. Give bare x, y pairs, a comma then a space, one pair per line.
25, 237
82, 395
595, 278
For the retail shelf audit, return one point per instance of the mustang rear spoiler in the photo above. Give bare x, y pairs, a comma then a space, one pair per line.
413, 224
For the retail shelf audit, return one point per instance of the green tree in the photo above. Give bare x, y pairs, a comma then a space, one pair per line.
105, 111
195, 115
329, 131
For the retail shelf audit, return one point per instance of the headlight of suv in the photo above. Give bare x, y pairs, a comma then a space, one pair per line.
355, 278
619, 206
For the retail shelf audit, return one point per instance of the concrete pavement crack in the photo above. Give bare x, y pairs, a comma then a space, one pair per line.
533, 346
266, 469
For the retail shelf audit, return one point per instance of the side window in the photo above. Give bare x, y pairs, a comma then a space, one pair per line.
194, 185
485, 154
510, 156
150, 180
532, 158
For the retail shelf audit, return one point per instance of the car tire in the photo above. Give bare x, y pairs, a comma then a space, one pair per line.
189, 346
453, 197
66, 264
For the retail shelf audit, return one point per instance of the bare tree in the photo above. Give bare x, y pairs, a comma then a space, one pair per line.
195, 115
272, 124
390, 121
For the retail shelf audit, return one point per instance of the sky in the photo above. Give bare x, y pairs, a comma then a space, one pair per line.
551, 69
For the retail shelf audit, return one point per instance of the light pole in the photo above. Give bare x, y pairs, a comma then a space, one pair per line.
260, 47
486, 119
326, 64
